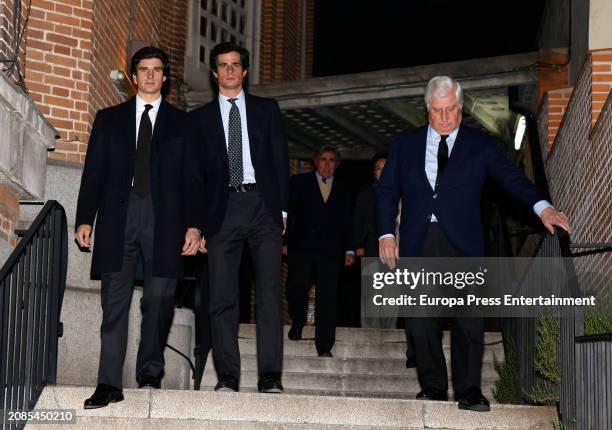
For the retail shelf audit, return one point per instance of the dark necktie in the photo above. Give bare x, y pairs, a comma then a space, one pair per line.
142, 174
442, 158
234, 145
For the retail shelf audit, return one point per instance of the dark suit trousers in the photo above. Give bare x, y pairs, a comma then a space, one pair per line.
467, 335
246, 219
327, 271
156, 305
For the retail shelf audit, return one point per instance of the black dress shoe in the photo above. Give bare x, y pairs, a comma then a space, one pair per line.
473, 400
149, 382
295, 333
103, 395
325, 354
270, 383
430, 393
227, 384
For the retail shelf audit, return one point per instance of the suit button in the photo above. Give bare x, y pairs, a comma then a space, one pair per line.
435, 196
121, 201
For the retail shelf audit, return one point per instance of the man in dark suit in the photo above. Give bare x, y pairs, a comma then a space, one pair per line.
319, 238
132, 186
439, 172
242, 174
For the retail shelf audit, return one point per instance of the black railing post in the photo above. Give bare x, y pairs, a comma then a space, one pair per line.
32, 283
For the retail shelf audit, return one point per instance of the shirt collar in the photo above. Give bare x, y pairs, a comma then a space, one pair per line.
320, 178
140, 104
433, 134
223, 99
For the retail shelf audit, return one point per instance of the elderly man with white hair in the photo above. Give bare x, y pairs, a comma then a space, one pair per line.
439, 171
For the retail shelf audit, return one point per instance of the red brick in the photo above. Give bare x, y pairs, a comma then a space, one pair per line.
63, 40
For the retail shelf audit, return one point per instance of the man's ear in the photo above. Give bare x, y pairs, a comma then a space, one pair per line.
164, 79
244, 73
134, 79
216, 76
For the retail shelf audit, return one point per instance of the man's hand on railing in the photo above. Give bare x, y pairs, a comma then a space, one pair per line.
83, 235
551, 217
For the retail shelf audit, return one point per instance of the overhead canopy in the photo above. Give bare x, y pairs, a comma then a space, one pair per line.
360, 113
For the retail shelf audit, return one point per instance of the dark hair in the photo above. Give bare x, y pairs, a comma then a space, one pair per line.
150, 52
327, 148
379, 156
226, 48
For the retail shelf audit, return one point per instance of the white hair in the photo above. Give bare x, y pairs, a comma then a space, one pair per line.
441, 86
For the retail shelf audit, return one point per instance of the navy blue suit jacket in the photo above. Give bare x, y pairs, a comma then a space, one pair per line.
456, 203
208, 169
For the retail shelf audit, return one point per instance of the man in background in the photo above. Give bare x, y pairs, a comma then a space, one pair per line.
319, 240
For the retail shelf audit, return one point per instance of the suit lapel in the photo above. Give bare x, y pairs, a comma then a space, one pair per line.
316, 189
129, 127
159, 127
421, 150
254, 119
456, 158
218, 131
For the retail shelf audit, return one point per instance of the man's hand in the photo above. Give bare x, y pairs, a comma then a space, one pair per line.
284, 250
551, 217
349, 259
202, 247
192, 242
83, 235
360, 252
284, 225
388, 251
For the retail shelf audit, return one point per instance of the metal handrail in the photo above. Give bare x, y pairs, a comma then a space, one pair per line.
32, 284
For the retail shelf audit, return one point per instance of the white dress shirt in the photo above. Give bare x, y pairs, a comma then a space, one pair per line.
140, 108
247, 164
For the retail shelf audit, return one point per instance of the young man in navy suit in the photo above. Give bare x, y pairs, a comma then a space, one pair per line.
439, 172
133, 187
241, 168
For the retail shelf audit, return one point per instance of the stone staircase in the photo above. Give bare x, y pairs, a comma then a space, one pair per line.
364, 386
366, 363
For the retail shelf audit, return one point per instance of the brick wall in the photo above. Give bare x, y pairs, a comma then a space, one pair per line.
58, 67
74, 44
556, 102
9, 215
281, 40
7, 41
602, 80
173, 40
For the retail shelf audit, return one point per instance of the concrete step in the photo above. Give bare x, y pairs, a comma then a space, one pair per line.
393, 386
353, 334
354, 366
161, 409
357, 349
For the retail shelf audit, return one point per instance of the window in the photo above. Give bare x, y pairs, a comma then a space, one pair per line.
213, 32
202, 54
203, 26
214, 8
241, 24
242, 3
224, 12
233, 18
204, 4
223, 35
233, 39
